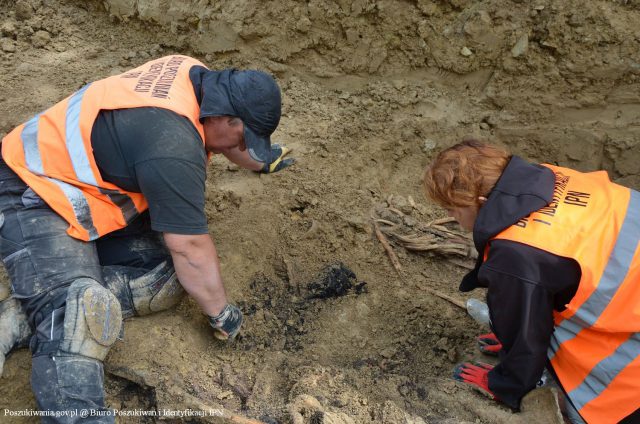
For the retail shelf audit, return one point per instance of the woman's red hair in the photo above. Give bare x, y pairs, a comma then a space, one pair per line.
464, 172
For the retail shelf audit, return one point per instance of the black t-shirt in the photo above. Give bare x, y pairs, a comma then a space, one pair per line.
160, 154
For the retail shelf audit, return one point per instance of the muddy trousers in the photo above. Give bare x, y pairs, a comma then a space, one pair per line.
61, 284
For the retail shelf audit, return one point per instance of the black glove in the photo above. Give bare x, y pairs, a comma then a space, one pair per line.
278, 161
227, 324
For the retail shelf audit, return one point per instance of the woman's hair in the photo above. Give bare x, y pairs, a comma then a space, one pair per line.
463, 172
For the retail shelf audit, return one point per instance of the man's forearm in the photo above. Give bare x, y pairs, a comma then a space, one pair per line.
196, 262
243, 159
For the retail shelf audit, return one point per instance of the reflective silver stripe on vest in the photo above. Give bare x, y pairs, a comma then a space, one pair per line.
75, 145
80, 160
80, 206
602, 374
33, 159
613, 275
567, 330
29, 136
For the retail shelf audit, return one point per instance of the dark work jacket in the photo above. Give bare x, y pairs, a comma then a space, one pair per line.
525, 284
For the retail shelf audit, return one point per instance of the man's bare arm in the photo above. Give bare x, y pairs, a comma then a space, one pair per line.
196, 262
243, 159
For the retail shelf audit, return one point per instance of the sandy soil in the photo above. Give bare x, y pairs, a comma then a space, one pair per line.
372, 88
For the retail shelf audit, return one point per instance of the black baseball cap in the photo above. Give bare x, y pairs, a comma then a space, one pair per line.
253, 96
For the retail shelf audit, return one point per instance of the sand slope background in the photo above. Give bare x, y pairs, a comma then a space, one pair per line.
371, 90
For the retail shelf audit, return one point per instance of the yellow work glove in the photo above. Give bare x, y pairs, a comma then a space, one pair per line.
279, 161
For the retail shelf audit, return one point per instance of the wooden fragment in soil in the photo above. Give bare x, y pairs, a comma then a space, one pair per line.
458, 303
387, 247
431, 237
396, 264
391, 225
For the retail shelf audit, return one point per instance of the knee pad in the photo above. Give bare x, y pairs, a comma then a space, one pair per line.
92, 320
157, 290
144, 292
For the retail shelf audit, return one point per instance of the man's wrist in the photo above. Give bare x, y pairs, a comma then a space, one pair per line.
227, 323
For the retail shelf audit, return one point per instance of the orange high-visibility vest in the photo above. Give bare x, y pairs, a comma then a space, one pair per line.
52, 152
595, 347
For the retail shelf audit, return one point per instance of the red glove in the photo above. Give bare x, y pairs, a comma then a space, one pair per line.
489, 344
476, 374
